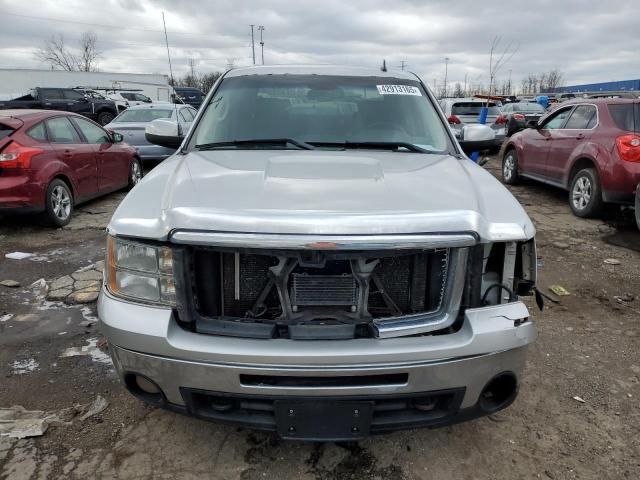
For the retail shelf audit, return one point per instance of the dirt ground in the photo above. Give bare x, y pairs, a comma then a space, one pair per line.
588, 348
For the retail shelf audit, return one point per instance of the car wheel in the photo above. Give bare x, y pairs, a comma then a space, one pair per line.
585, 195
135, 173
58, 203
105, 117
510, 167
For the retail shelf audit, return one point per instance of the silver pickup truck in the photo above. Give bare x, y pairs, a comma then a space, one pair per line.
320, 259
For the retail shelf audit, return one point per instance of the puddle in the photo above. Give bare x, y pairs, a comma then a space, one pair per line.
625, 239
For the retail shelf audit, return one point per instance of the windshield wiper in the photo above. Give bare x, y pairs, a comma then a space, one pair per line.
256, 142
375, 145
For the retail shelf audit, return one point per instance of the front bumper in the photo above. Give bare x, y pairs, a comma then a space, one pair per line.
190, 367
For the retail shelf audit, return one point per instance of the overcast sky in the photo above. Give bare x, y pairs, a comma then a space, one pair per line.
588, 41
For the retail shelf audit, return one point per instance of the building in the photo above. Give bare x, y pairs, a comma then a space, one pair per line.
619, 86
16, 82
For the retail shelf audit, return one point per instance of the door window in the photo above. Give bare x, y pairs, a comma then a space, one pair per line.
186, 115
38, 132
72, 95
91, 132
51, 94
557, 119
582, 118
61, 131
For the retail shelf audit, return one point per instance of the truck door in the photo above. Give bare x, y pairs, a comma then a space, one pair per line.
76, 102
52, 99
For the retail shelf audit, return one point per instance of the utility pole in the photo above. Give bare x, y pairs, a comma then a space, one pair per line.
402, 63
253, 45
166, 40
465, 84
509, 82
446, 68
261, 28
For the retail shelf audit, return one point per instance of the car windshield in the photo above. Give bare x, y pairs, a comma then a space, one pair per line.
529, 107
321, 110
473, 108
143, 115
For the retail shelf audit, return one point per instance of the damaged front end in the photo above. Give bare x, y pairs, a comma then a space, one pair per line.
333, 291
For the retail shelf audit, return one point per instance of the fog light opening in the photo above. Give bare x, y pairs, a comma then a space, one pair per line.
499, 392
144, 388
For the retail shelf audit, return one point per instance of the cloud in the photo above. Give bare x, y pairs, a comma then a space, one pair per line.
587, 40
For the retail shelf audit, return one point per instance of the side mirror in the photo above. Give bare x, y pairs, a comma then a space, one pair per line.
532, 124
475, 138
117, 137
148, 100
163, 132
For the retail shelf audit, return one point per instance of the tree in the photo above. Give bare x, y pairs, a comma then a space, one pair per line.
88, 52
497, 60
56, 53
457, 91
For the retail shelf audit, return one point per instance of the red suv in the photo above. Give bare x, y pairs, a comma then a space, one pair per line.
590, 147
52, 160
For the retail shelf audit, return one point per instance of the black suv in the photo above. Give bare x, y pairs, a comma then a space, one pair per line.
189, 95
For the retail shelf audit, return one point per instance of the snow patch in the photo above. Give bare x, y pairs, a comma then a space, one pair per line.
21, 367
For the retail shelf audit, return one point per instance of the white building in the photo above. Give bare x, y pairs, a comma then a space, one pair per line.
16, 82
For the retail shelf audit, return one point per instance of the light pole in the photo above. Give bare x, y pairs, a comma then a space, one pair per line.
253, 46
446, 68
261, 28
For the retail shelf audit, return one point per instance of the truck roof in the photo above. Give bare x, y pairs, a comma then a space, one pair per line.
353, 71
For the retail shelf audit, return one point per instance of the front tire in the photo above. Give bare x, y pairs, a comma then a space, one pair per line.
58, 203
135, 173
510, 167
585, 194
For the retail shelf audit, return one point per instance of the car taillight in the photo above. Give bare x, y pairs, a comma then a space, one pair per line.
453, 120
517, 116
17, 156
629, 147
501, 120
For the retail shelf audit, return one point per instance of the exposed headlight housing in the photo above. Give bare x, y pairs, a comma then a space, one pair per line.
140, 272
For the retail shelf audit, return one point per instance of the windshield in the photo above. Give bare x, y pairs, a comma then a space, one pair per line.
321, 110
143, 115
473, 108
529, 107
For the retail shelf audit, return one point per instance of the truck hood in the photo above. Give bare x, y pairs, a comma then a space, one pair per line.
320, 192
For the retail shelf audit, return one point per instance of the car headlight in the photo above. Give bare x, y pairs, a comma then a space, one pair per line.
137, 271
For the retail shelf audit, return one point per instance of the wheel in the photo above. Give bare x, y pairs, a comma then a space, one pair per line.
58, 203
135, 173
105, 117
585, 195
510, 167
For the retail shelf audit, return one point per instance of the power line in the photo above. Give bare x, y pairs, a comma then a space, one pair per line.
102, 25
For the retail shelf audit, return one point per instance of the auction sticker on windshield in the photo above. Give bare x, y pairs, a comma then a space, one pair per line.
398, 90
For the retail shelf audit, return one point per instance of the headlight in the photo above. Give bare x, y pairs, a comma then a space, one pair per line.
140, 272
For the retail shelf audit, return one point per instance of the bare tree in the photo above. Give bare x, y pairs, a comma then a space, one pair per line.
554, 79
59, 55
89, 53
56, 53
498, 57
457, 92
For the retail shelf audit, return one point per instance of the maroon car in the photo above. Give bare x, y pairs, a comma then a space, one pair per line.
52, 160
590, 147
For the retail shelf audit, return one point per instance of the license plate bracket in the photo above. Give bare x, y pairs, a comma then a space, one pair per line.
323, 420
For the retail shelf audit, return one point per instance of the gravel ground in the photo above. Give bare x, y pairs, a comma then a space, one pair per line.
587, 348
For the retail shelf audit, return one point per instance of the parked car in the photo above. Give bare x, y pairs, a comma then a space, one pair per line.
52, 161
135, 98
518, 114
66, 100
590, 147
131, 125
321, 260
189, 95
466, 111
